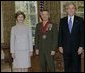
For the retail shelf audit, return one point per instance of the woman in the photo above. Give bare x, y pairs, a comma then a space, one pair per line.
21, 44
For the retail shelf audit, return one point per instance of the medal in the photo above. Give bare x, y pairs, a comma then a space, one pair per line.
50, 26
44, 36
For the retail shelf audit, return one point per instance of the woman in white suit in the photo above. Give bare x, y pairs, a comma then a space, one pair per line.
21, 44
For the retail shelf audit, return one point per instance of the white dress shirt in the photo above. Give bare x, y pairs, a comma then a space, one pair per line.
72, 18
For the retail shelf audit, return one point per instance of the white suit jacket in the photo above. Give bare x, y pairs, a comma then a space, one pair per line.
21, 38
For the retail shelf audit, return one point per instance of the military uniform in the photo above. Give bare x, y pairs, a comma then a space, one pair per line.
46, 42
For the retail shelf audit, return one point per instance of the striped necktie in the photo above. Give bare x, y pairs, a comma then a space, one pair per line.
70, 24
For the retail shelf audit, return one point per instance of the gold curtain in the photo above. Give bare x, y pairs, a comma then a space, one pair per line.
8, 8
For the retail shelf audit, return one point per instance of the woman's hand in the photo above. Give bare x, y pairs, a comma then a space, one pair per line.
13, 55
31, 53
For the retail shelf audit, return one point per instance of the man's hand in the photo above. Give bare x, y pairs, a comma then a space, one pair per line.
80, 50
52, 52
61, 49
37, 51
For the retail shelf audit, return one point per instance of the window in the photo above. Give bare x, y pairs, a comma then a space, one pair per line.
30, 9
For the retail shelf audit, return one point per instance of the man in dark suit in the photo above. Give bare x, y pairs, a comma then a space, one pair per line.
71, 39
46, 42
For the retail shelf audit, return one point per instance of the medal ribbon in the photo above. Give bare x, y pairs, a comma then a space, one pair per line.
44, 28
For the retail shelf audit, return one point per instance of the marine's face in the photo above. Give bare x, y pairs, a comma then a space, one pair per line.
45, 15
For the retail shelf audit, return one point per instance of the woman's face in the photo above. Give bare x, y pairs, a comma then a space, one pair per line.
20, 18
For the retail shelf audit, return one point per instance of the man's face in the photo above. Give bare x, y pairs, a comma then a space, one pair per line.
45, 15
71, 10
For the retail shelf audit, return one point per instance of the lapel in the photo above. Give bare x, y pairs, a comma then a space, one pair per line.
66, 24
74, 24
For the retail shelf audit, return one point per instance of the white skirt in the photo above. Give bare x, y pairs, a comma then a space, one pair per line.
22, 59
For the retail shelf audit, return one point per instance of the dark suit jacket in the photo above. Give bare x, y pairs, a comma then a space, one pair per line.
48, 44
71, 41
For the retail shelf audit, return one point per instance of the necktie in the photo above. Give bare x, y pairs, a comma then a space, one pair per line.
70, 24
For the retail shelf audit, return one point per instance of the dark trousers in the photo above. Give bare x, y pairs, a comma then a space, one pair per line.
72, 62
47, 63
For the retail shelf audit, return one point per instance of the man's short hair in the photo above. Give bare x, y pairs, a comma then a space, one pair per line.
70, 3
